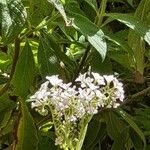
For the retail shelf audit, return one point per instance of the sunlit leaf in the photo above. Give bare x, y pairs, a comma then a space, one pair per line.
94, 35
13, 17
58, 4
135, 24
135, 41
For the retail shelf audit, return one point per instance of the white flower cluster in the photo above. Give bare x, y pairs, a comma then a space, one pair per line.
71, 102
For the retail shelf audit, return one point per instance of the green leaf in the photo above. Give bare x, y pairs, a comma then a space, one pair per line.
47, 60
100, 136
92, 132
24, 73
5, 119
130, 2
5, 61
136, 140
26, 133
74, 6
46, 126
98, 66
5, 103
142, 117
57, 51
142, 29
38, 10
135, 41
121, 57
13, 17
59, 6
92, 3
123, 141
114, 124
133, 125
117, 40
94, 35
46, 143
8, 128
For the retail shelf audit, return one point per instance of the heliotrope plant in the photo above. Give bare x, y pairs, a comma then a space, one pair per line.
72, 105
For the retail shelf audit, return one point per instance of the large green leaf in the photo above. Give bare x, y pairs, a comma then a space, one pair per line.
6, 108
118, 131
99, 138
130, 2
136, 140
133, 125
38, 10
13, 17
121, 57
59, 6
47, 144
5, 118
137, 25
24, 73
114, 124
26, 133
98, 66
92, 3
92, 133
123, 141
142, 117
47, 60
134, 40
56, 49
117, 40
94, 35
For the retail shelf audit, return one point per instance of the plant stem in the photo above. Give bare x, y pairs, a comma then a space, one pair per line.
130, 98
101, 12
15, 59
83, 130
39, 26
81, 65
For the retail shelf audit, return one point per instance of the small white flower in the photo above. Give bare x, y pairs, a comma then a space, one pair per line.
109, 78
65, 86
99, 79
54, 80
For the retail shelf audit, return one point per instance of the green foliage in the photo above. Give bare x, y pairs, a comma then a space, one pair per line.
13, 17
47, 60
26, 133
24, 73
66, 37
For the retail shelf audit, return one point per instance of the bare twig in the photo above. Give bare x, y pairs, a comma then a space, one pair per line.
15, 59
81, 65
131, 98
